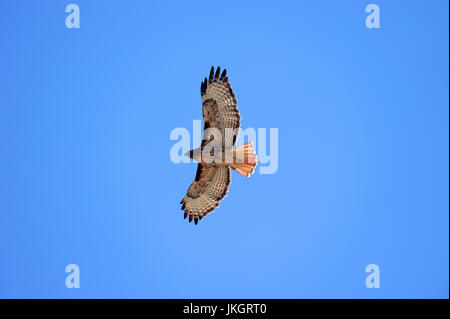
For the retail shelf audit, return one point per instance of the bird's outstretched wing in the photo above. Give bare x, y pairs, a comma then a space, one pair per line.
219, 107
219, 112
206, 191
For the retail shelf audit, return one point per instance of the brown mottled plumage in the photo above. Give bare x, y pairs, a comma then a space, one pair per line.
221, 127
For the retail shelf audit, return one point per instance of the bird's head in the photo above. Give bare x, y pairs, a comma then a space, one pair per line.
194, 154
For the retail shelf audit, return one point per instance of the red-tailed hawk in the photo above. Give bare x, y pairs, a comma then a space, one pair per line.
216, 155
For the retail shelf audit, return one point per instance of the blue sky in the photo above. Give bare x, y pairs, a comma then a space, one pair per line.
86, 177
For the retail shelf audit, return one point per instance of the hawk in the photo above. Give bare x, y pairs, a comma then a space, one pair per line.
216, 155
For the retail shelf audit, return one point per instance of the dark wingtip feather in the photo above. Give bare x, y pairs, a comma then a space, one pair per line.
211, 74
204, 86
191, 217
196, 220
224, 73
216, 76
185, 215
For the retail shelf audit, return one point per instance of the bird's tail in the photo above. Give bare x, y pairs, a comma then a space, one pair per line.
244, 159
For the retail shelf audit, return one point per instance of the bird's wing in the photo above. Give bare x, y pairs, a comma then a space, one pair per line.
219, 107
206, 191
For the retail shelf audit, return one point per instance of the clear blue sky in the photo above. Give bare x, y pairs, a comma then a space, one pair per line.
86, 177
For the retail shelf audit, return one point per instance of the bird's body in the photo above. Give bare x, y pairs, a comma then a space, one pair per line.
216, 154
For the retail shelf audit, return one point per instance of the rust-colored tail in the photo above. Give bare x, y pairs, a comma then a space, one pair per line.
244, 159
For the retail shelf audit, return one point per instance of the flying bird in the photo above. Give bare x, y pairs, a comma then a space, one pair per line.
216, 154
